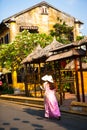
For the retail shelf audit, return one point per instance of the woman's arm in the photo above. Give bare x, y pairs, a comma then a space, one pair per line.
42, 87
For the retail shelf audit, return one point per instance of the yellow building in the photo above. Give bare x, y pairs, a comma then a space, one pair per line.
39, 18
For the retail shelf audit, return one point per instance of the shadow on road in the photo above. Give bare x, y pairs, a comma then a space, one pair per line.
67, 122
35, 112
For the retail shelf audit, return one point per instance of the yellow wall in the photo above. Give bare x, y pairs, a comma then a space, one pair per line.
44, 22
85, 81
13, 30
21, 86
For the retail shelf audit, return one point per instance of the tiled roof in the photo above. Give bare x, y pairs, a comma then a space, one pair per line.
67, 54
39, 53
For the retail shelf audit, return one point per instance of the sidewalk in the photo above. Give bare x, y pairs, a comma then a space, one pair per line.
67, 101
39, 102
66, 106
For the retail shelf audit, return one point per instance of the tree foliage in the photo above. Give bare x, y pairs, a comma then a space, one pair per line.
79, 38
62, 31
12, 54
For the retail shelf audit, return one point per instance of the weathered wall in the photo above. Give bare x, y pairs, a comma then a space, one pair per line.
44, 21
84, 81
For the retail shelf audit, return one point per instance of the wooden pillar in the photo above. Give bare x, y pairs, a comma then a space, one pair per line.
54, 69
39, 76
77, 83
61, 87
82, 80
26, 82
39, 73
34, 79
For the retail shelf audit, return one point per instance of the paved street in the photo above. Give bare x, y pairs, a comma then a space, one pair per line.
20, 117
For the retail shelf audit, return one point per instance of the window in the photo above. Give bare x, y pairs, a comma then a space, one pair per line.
1, 40
44, 10
6, 38
71, 36
9, 75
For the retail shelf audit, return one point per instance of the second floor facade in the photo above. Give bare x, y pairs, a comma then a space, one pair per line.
39, 18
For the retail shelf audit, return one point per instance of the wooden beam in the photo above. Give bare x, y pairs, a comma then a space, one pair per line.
77, 83
82, 80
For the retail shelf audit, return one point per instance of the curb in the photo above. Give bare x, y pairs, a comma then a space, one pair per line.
35, 102
74, 112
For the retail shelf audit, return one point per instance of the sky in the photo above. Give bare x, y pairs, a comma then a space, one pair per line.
75, 8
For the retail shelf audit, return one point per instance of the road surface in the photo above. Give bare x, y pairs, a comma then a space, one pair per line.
20, 117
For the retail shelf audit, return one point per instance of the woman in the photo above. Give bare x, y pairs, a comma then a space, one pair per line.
50, 101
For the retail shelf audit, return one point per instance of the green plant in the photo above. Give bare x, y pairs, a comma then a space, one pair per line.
7, 89
66, 87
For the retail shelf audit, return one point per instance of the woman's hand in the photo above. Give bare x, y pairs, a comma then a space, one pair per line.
41, 87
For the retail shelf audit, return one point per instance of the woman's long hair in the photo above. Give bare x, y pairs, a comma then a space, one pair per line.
52, 86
